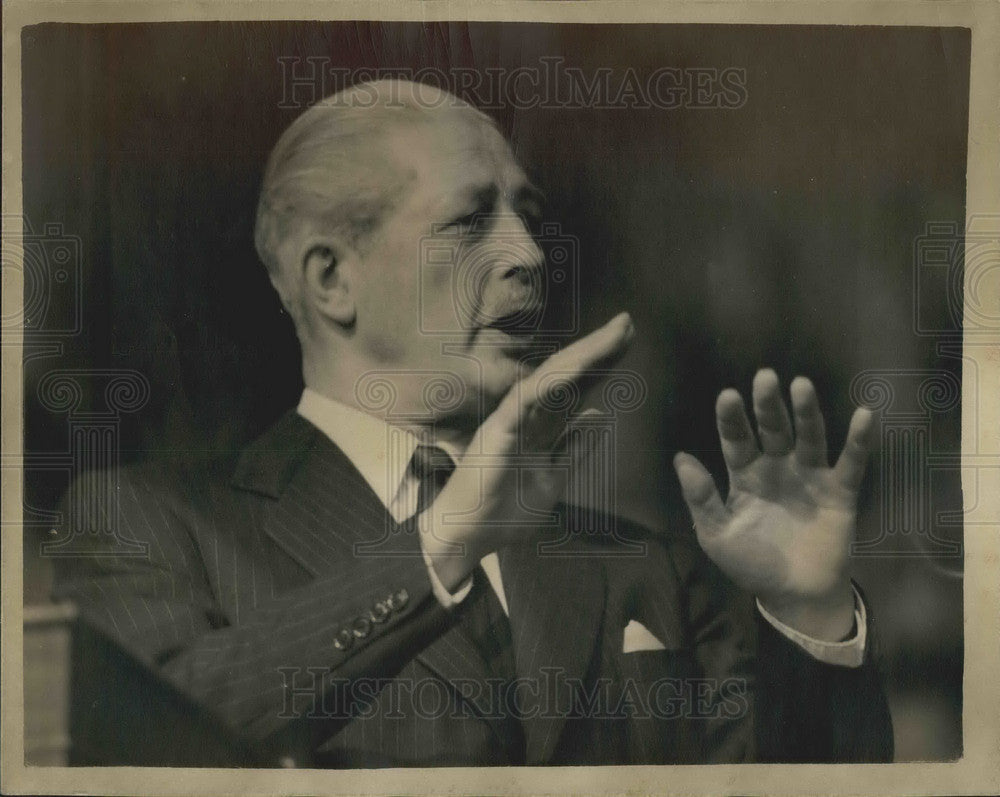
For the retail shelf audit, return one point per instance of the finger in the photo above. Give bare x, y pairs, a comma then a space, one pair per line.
601, 348
701, 496
810, 431
850, 467
535, 409
773, 424
739, 446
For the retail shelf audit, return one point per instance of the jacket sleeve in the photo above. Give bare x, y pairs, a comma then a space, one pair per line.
276, 673
809, 711
800, 710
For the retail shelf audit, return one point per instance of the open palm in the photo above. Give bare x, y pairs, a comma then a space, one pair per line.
784, 531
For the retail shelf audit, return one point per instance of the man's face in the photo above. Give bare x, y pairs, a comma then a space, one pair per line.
454, 266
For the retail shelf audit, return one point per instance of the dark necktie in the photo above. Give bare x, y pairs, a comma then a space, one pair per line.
482, 619
432, 467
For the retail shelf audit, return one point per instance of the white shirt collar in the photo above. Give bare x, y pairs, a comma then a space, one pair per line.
380, 451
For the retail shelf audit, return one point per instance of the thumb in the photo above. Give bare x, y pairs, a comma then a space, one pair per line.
700, 495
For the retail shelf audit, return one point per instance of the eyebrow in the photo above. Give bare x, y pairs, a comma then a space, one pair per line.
531, 191
486, 195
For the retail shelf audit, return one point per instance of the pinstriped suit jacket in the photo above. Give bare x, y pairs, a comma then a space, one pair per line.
255, 570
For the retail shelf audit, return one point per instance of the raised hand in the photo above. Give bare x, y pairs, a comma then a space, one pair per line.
492, 499
784, 530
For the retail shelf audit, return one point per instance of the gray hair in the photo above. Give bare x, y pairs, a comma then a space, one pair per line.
328, 169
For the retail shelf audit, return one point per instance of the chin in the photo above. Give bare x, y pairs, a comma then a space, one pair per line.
502, 364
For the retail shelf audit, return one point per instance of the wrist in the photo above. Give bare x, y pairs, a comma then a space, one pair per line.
453, 558
828, 617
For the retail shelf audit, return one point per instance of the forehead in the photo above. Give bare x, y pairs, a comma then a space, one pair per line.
454, 155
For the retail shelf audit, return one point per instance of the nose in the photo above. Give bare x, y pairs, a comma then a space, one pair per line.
519, 255
511, 287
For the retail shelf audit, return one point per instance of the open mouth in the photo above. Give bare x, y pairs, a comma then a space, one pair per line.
515, 332
513, 315
512, 304
520, 326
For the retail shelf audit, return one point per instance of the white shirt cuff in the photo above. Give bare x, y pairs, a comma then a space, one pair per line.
447, 599
849, 653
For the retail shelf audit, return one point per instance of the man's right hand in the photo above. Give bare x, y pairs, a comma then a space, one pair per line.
492, 499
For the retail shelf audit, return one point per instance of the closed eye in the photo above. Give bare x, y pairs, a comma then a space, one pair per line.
482, 202
468, 221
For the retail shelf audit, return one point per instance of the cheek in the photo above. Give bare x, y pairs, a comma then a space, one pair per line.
383, 346
387, 318
436, 296
391, 337
379, 321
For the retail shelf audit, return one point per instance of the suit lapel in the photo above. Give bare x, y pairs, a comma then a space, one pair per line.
325, 512
556, 609
323, 508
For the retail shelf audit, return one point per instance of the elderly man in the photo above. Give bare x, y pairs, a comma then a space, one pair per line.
364, 586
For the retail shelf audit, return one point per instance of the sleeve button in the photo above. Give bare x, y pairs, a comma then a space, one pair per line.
362, 627
402, 597
378, 613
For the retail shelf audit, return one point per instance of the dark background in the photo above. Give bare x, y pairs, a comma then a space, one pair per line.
780, 233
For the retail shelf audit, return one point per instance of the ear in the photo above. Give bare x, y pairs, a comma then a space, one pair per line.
326, 278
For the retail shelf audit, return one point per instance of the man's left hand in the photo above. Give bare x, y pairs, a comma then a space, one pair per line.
783, 532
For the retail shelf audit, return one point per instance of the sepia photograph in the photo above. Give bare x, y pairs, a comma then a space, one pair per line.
445, 394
